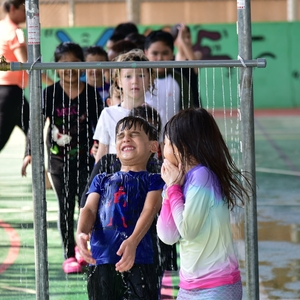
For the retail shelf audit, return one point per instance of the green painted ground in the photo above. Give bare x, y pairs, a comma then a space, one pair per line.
278, 181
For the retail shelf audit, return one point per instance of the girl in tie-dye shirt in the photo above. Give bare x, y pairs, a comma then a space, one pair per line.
202, 185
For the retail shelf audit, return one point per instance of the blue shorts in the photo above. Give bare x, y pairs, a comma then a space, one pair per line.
223, 292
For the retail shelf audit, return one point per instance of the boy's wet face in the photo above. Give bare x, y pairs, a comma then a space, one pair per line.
133, 145
159, 51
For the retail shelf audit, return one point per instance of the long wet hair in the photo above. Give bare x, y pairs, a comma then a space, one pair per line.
196, 135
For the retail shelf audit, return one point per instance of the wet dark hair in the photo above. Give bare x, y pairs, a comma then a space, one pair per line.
196, 135
149, 113
95, 50
8, 3
174, 30
68, 47
137, 38
159, 36
134, 121
126, 28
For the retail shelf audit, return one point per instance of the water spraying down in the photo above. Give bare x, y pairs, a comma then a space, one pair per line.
211, 97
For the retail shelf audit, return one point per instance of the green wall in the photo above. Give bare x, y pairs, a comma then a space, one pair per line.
276, 86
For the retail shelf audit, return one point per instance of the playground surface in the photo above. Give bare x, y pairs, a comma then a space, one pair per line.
277, 144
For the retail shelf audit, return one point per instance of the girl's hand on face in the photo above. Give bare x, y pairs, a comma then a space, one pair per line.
172, 174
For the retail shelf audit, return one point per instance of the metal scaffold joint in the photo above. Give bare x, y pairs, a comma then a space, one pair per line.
4, 65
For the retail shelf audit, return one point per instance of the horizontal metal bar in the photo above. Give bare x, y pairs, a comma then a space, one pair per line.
259, 63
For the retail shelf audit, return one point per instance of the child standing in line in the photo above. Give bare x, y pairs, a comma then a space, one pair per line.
109, 162
165, 256
119, 212
73, 110
172, 92
96, 77
183, 42
202, 184
132, 85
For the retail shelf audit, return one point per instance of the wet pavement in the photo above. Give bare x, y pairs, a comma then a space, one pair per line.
278, 212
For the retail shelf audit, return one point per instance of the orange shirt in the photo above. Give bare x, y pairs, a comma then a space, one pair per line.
11, 38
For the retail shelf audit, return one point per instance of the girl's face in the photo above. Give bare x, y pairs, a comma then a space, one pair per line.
171, 153
134, 83
69, 76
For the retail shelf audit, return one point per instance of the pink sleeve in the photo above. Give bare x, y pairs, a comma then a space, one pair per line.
166, 227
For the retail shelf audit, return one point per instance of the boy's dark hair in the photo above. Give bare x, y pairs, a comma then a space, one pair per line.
149, 113
137, 38
159, 36
123, 46
95, 50
126, 28
134, 121
68, 47
116, 36
8, 3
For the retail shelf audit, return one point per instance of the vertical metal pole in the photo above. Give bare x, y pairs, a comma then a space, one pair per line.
292, 10
248, 148
37, 152
71, 13
133, 11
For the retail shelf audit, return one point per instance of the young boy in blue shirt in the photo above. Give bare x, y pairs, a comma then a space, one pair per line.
119, 212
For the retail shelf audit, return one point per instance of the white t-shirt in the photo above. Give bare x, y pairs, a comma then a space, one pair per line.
105, 131
165, 98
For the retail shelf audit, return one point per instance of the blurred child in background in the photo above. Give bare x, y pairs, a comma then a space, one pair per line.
73, 111
97, 77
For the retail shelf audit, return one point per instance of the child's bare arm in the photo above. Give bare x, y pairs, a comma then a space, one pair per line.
26, 162
86, 221
128, 248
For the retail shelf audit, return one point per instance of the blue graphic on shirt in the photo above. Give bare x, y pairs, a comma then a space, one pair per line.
122, 199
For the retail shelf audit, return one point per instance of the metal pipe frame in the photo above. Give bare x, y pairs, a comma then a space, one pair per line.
248, 151
37, 153
259, 63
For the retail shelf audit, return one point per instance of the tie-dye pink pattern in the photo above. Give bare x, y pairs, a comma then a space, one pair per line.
196, 216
